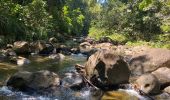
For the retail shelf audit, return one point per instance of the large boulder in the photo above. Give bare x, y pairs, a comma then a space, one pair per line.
163, 75
42, 47
25, 81
107, 68
148, 83
21, 47
149, 60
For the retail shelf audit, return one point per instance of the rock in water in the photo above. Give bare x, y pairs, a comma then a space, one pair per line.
107, 67
43, 79
19, 81
22, 61
85, 47
148, 83
58, 57
9, 52
21, 47
25, 81
41, 47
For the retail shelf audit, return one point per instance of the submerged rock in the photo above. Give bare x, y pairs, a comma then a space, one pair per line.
107, 68
26, 81
118, 95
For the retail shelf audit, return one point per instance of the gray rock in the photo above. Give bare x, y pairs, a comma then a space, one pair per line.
149, 60
163, 75
167, 89
85, 47
108, 67
37, 80
52, 40
57, 57
148, 83
21, 47
41, 47
22, 61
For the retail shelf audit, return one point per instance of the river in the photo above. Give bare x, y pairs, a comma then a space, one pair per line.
61, 68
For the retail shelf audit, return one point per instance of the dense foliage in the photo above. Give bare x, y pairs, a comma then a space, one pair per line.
132, 20
121, 20
40, 19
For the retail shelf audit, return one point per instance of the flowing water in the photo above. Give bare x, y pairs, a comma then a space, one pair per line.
61, 68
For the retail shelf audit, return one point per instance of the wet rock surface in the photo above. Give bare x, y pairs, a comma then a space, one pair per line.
57, 57
167, 89
9, 52
85, 47
106, 68
21, 47
41, 47
72, 80
163, 75
148, 84
26, 81
20, 61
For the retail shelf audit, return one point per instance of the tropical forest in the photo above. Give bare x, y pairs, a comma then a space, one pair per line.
84, 49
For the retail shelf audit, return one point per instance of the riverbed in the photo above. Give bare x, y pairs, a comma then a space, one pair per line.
61, 68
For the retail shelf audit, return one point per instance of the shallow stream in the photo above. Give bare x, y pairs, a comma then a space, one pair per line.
66, 66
